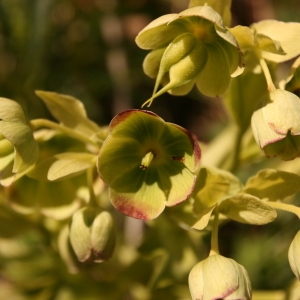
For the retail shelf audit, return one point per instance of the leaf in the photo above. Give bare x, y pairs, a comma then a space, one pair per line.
247, 209
204, 218
70, 164
273, 184
69, 111
213, 185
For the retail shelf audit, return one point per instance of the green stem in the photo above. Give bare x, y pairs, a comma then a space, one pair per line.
285, 207
236, 150
214, 234
40, 123
90, 183
266, 71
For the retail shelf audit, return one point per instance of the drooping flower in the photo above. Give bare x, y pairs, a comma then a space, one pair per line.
276, 125
147, 163
192, 47
218, 277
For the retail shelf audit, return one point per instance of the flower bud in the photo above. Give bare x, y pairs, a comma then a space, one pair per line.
92, 234
218, 277
294, 255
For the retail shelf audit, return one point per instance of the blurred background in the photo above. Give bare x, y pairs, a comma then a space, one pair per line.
86, 48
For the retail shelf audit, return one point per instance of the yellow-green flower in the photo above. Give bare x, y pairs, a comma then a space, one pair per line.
218, 277
192, 47
147, 163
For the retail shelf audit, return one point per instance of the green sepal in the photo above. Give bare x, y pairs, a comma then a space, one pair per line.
284, 33
293, 80
222, 7
14, 128
272, 184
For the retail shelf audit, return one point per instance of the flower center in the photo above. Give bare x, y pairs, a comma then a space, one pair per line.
147, 159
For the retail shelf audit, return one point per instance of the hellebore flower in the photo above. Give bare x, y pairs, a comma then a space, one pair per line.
147, 163
218, 277
192, 47
92, 234
17, 139
276, 125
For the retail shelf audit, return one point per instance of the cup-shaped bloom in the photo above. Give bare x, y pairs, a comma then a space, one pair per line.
15, 133
276, 125
218, 277
294, 255
192, 47
92, 234
147, 163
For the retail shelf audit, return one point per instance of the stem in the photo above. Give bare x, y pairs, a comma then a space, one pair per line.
90, 183
214, 234
263, 64
40, 123
285, 207
236, 150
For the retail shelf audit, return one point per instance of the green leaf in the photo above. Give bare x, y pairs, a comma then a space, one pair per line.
57, 200
272, 184
245, 208
204, 218
212, 186
69, 111
70, 164
246, 92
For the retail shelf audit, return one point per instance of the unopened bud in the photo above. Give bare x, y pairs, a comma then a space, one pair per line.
218, 277
92, 234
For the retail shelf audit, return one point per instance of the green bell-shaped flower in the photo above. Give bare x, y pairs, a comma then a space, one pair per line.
218, 277
192, 47
147, 163
276, 125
